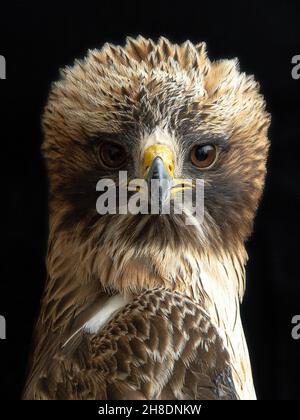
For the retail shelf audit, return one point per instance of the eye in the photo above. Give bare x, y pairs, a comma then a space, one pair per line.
112, 154
204, 156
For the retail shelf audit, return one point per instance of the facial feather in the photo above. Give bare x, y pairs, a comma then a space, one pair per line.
177, 96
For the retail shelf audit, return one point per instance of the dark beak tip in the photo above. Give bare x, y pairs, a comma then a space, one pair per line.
158, 170
159, 173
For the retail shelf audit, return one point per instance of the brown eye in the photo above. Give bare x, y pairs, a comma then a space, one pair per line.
112, 155
204, 156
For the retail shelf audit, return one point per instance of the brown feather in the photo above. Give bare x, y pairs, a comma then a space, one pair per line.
119, 364
169, 343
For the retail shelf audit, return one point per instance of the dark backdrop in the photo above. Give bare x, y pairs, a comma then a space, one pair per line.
37, 39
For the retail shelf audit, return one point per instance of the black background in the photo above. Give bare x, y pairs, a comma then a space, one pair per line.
38, 38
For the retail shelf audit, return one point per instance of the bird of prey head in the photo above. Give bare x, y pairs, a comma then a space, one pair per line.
158, 111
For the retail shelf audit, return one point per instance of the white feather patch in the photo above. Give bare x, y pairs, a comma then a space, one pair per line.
113, 305
105, 314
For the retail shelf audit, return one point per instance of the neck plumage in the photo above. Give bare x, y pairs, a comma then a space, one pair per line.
80, 276
219, 286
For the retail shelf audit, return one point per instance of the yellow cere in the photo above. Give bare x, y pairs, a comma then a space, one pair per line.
164, 152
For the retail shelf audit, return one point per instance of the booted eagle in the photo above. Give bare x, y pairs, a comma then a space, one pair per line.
146, 306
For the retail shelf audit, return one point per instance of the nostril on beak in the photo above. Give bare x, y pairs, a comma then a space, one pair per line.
160, 183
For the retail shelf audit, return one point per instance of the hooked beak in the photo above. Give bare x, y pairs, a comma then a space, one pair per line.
159, 170
159, 182
158, 165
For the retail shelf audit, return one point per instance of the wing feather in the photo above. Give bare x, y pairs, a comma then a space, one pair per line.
161, 346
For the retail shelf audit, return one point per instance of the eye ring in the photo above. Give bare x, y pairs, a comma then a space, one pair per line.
204, 156
112, 154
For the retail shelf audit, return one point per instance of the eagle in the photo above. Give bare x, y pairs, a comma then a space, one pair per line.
147, 306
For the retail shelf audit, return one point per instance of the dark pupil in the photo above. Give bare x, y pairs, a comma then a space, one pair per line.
202, 152
114, 153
